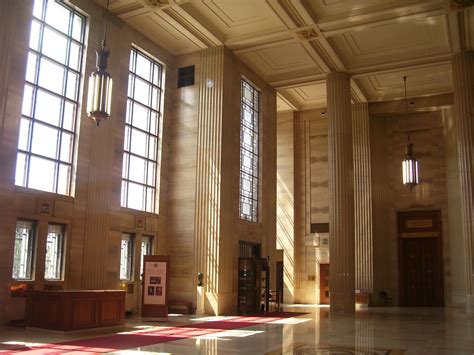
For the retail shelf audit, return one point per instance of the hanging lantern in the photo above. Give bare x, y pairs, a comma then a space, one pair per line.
410, 168
100, 89
409, 164
99, 94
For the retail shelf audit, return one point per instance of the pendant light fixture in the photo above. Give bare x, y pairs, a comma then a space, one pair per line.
100, 82
409, 164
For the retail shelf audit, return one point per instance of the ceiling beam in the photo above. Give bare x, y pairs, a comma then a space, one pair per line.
425, 9
401, 65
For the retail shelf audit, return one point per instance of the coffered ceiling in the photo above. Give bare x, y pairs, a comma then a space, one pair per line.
293, 44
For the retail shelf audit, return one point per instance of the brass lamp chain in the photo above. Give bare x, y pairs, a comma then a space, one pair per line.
104, 35
406, 99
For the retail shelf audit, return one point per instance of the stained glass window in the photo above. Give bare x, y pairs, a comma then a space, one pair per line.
249, 151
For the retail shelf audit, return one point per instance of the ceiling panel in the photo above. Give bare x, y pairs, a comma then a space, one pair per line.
169, 37
236, 19
432, 79
335, 9
307, 97
393, 42
281, 62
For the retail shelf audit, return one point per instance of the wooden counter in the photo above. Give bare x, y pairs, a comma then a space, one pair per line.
74, 310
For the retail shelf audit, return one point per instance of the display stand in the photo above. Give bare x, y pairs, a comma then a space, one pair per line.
155, 287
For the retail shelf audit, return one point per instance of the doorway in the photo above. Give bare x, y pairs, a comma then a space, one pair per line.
279, 280
420, 258
324, 284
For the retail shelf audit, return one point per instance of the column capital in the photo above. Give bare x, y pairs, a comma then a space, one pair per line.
335, 75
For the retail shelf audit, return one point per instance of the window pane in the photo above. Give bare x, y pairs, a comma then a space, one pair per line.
66, 147
45, 141
27, 106
48, 108
57, 16
54, 45
137, 169
150, 200
124, 195
51, 76
151, 174
138, 143
69, 116
74, 56
77, 27
143, 67
20, 172
31, 67
54, 252
142, 91
23, 251
71, 89
42, 173
24, 134
126, 257
38, 9
154, 123
146, 250
136, 196
125, 165
152, 147
140, 116
155, 99
64, 178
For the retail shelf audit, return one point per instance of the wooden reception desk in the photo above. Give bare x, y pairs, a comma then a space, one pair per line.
74, 310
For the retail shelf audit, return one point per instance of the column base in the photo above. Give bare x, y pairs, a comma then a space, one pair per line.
200, 301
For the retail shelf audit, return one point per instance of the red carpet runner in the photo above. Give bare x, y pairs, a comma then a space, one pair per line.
135, 339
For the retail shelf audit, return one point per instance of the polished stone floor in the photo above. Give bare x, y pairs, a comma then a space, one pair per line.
388, 330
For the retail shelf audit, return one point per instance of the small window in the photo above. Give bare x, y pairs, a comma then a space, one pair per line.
23, 254
147, 243
126, 257
54, 252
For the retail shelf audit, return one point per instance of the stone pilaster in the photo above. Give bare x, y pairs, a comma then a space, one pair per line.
362, 198
463, 81
208, 173
341, 194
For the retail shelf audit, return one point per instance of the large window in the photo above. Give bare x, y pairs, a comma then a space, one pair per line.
54, 252
147, 244
140, 157
126, 258
23, 253
51, 98
249, 147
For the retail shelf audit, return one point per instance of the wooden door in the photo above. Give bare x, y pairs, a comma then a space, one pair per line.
324, 283
421, 261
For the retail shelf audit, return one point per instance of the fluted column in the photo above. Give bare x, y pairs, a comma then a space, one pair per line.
463, 71
208, 174
341, 194
362, 198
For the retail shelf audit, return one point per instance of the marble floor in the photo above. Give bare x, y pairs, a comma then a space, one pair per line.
388, 330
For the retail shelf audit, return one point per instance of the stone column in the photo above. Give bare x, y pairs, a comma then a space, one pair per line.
463, 71
341, 194
362, 198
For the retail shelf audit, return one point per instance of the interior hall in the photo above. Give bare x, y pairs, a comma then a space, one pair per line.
237, 176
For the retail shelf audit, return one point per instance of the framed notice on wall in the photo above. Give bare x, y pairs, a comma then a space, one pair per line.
155, 286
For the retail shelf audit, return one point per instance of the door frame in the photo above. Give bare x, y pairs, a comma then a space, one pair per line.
436, 232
